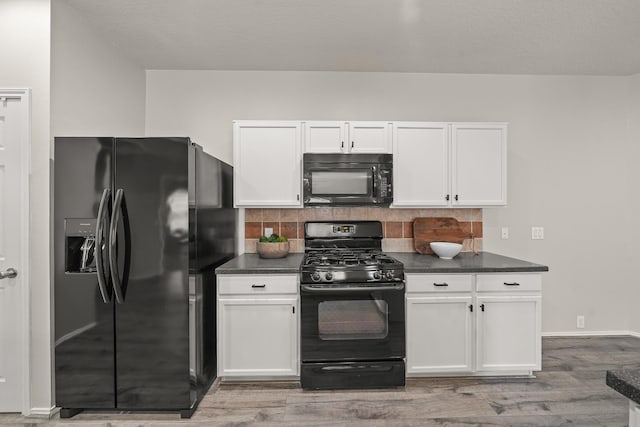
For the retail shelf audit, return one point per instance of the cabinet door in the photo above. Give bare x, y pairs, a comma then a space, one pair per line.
370, 137
479, 164
267, 163
439, 334
325, 137
258, 337
420, 164
508, 333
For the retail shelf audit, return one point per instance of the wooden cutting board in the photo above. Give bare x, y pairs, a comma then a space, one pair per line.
437, 229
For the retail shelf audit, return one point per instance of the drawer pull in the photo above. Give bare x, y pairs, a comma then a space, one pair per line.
258, 286
511, 283
441, 284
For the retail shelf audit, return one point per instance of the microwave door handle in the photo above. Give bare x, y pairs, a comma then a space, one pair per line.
374, 179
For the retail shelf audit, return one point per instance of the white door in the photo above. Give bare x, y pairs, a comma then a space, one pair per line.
370, 137
420, 164
439, 334
325, 137
267, 163
14, 144
259, 337
508, 335
479, 163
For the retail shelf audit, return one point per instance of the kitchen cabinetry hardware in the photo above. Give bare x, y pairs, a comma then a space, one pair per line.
447, 198
293, 309
482, 307
297, 197
456, 197
259, 286
8, 273
352, 144
341, 144
441, 284
511, 283
471, 308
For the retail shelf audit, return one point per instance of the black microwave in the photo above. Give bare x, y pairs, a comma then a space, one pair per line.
347, 179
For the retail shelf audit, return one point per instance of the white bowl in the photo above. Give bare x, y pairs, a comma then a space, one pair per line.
446, 250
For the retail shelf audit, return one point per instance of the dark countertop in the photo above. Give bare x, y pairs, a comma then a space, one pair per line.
626, 382
253, 264
465, 262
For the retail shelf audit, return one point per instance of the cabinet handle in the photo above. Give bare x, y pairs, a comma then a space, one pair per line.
482, 307
342, 144
351, 144
259, 286
297, 197
456, 197
441, 284
447, 198
471, 308
511, 283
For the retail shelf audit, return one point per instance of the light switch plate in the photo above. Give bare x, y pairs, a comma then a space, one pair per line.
537, 233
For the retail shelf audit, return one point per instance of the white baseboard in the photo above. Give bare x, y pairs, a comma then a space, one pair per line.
43, 412
590, 333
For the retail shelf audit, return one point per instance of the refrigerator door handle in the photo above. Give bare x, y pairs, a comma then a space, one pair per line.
103, 210
119, 209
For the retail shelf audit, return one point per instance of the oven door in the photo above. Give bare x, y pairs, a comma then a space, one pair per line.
340, 184
352, 322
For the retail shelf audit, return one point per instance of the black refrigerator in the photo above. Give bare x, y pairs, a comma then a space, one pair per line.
140, 224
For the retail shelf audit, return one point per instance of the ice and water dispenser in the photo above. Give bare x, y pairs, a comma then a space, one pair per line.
80, 245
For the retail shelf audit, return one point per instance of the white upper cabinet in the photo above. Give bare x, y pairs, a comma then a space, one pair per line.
421, 159
479, 164
326, 137
370, 137
267, 163
347, 137
449, 164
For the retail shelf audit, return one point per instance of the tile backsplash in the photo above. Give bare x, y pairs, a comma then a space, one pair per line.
397, 224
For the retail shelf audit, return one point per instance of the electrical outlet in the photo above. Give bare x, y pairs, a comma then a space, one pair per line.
580, 322
505, 233
537, 233
268, 231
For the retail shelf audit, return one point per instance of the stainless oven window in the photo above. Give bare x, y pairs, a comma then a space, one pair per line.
353, 319
355, 182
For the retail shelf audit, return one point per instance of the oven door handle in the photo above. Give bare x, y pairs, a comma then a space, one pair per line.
331, 289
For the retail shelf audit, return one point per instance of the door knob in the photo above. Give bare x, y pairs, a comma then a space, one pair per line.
9, 272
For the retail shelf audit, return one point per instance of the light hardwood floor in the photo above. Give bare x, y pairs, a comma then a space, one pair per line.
569, 391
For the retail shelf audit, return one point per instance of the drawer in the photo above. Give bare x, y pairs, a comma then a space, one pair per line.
509, 282
439, 283
257, 284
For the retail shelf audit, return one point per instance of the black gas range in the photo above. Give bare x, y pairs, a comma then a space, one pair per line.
352, 298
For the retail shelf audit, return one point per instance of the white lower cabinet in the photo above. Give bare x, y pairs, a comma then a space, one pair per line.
474, 324
439, 334
258, 326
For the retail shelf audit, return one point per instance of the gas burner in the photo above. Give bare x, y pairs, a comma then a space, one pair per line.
331, 257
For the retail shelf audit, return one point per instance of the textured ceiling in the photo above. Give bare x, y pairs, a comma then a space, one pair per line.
596, 37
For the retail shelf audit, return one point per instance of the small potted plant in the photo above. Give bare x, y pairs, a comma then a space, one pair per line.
273, 246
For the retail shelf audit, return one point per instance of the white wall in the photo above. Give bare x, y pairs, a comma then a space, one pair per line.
632, 184
95, 90
24, 49
569, 163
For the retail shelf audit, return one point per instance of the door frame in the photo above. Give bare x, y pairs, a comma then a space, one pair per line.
24, 94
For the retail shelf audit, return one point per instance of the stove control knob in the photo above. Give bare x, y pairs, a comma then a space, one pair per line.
376, 275
390, 275
328, 276
315, 277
